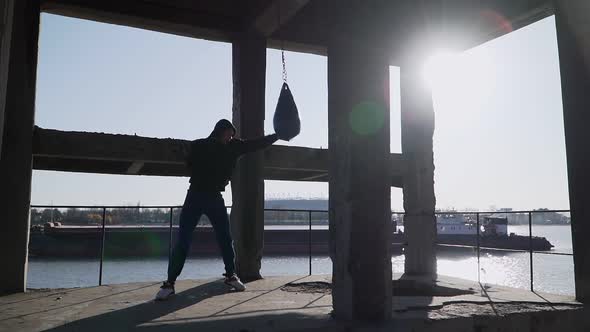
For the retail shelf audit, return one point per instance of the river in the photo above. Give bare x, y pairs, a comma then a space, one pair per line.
552, 273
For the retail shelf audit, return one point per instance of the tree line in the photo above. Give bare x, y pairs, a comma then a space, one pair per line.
147, 216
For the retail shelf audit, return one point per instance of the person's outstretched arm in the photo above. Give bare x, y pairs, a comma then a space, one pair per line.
247, 146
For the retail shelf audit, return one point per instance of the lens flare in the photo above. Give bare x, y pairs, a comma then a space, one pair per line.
367, 118
497, 20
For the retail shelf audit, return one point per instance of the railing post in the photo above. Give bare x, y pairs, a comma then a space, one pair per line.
309, 239
104, 213
478, 253
170, 234
531, 248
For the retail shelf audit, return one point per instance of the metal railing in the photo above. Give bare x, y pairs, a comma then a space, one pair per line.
170, 225
531, 252
309, 213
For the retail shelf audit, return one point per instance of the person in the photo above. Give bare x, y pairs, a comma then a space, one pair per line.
211, 162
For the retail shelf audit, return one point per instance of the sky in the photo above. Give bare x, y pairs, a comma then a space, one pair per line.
498, 142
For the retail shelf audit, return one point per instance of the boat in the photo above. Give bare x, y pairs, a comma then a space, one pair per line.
455, 224
455, 233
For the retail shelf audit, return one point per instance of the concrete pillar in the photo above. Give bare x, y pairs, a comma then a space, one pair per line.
359, 169
247, 215
6, 11
417, 126
573, 29
16, 156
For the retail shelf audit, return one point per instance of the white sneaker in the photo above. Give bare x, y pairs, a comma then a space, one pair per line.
234, 281
166, 290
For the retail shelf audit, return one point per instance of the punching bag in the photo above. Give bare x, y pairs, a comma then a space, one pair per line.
286, 120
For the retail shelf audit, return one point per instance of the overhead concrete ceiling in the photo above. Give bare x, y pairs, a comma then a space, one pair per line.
410, 28
405, 28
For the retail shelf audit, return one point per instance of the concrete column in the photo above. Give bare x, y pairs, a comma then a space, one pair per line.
247, 215
573, 29
16, 156
417, 124
6, 11
359, 169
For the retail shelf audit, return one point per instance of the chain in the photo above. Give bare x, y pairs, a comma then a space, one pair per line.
284, 66
282, 46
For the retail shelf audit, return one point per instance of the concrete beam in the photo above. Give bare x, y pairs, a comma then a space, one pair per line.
282, 157
6, 13
277, 14
69, 151
159, 169
461, 24
417, 123
108, 147
247, 216
421, 27
360, 201
535, 12
135, 167
16, 156
573, 29
148, 15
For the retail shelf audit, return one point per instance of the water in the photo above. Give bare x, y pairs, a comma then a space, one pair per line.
552, 273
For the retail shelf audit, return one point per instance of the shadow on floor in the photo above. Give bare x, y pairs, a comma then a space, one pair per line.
60, 307
286, 321
129, 318
142, 316
408, 286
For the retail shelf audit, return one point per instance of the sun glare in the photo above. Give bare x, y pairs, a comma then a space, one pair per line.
440, 67
460, 81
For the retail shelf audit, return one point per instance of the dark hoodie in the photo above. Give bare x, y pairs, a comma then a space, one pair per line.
211, 163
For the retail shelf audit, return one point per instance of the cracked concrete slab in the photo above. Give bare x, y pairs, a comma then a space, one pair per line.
209, 305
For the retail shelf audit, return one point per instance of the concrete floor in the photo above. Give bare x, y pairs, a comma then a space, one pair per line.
208, 305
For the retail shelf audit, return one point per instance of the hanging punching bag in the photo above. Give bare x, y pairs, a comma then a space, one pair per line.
286, 120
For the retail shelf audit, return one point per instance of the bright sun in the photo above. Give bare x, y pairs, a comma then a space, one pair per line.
461, 81
441, 67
